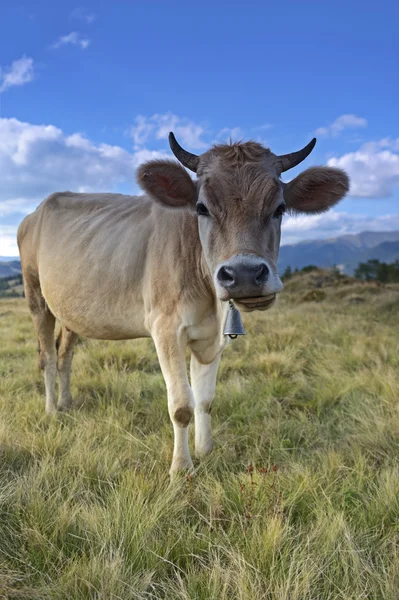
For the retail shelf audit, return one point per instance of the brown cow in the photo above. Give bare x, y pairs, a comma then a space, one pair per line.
110, 266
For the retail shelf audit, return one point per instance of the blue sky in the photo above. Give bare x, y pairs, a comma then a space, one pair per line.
89, 91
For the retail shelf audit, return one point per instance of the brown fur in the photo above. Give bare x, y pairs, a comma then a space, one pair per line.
167, 182
316, 190
233, 155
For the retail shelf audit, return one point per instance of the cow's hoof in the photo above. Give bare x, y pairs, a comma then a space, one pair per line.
180, 467
64, 403
201, 450
64, 407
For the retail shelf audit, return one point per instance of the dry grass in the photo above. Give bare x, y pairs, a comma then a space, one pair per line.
299, 500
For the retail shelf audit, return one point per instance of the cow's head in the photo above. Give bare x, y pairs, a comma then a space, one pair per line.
240, 200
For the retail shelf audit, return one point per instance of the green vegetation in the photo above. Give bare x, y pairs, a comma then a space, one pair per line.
309, 268
372, 270
11, 286
298, 501
378, 271
287, 273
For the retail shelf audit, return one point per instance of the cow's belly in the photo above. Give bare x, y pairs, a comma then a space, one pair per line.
96, 312
105, 329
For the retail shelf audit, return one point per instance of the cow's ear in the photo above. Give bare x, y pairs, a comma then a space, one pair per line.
168, 182
316, 190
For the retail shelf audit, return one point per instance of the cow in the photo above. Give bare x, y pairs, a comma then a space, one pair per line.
165, 264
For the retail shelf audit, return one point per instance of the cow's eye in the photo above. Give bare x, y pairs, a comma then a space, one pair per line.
202, 210
280, 210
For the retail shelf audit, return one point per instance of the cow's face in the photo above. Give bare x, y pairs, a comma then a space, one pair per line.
240, 210
240, 200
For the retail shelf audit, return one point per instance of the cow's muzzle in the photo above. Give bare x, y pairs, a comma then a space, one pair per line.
247, 279
255, 303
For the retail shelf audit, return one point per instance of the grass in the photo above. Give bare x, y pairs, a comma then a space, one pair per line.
299, 500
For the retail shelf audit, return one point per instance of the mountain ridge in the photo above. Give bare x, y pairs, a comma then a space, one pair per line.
344, 251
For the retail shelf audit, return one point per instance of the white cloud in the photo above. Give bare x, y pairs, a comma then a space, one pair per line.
333, 224
15, 205
83, 15
141, 131
387, 142
36, 160
74, 38
373, 169
229, 133
193, 136
158, 126
264, 127
8, 241
343, 122
20, 72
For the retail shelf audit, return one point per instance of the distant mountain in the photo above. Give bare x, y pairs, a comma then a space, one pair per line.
8, 258
10, 267
345, 251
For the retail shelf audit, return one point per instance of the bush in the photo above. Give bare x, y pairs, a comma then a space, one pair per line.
374, 270
314, 296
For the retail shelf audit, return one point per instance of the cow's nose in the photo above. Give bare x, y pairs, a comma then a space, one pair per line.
244, 275
262, 274
227, 276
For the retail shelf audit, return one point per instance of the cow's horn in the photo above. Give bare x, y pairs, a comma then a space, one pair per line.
288, 161
186, 158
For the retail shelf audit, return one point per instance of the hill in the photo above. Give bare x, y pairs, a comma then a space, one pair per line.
11, 286
10, 267
346, 251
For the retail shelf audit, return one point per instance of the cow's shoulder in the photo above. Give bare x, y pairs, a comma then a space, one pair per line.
54, 200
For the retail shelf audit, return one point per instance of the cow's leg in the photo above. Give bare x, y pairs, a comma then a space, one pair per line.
171, 350
65, 344
203, 382
44, 322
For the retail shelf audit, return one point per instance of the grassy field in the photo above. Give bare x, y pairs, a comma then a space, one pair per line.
299, 500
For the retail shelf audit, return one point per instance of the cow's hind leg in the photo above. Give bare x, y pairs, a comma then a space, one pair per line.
44, 322
171, 349
203, 382
65, 344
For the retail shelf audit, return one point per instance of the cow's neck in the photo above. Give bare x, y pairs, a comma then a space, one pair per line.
202, 276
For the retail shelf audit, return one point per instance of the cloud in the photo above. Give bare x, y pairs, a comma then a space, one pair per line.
191, 135
20, 72
333, 224
373, 169
387, 142
8, 242
74, 38
229, 133
36, 160
264, 127
343, 122
83, 15
158, 126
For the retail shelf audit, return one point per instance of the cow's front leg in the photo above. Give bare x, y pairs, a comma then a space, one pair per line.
171, 350
203, 381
